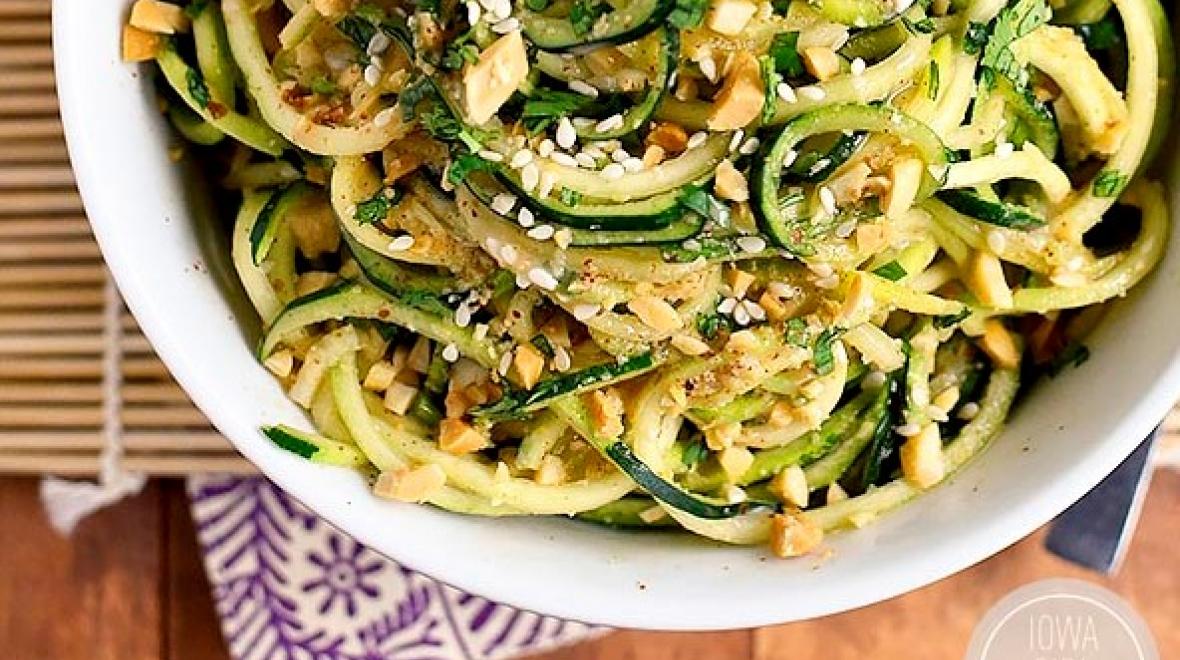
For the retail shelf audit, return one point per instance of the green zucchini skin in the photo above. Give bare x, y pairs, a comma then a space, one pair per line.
654, 212
625, 514
1033, 114
192, 127
634, 20
266, 227
1001, 214
638, 114
393, 277
519, 403
815, 167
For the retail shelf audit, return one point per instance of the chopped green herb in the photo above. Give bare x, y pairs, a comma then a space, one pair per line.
503, 284
891, 271
952, 319
696, 198
1109, 183
583, 15
688, 14
197, 88
821, 353
570, 197
924, 26
358, 29
784, 49
441, 124
797, 332
694, 452
537, 5
975, 38
425, 410
1073, 355
932, 90
712, 325
463, 165
545, 106
321, 85
370, 12
543, 345
1012, 23
458, 53
373, 210
193, 9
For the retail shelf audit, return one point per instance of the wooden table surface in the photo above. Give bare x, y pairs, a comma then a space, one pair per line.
129, 585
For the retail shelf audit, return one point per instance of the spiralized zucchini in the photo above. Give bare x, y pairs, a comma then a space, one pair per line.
757, 273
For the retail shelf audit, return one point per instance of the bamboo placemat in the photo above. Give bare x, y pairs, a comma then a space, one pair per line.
74, 366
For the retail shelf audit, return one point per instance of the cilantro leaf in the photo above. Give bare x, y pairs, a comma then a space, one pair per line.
373, 210
693, 453
784, 49
975, 38
570, 197
1012, 23
712, 325
583, 15
891, 271
463, 165
197, 88
688, 14
1109, 183
545, 106
797, 332
950, 320
321, 85
697, 199
821, 353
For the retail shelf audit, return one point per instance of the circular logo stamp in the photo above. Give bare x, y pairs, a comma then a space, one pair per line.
1062, 619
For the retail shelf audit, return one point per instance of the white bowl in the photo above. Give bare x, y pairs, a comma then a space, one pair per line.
1061, 440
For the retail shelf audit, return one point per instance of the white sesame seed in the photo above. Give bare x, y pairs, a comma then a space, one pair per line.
727, 306
1075, 263
548, 180
996, 242
566, 134
378, 43
585, 160
874, 381
583, 88
542, 278
735, 140
505, 363
474, 12
493, 245
827, 199
563, 238
613, 172
709, 68
463, 316
541, 232
520, 159
594, 151
789, 158
401, 243
545, 148
502, 8
968, 411
734, 494
812, 92
372, 75
480, 332
751, 244
785, 92
488, 4
754, 310
561, 358
524, 217
782, 290
857, 67
610, 123
697, 139
1004, 150
384, 117
562, 158
586, 311
530, 175
503, 203
632, 164
749, 146
522, 281
507, 25
908, 430
619, 155
491, 156
741, 315
508, 254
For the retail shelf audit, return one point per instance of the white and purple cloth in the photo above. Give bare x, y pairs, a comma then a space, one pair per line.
289, 586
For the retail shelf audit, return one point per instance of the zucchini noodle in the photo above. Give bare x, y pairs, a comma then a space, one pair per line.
757, 275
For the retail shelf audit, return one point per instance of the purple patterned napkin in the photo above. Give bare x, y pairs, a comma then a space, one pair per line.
289, 586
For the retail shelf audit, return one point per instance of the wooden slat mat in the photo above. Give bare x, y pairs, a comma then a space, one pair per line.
58, 336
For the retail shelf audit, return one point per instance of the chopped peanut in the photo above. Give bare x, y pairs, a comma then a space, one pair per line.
821, 62
739, 281
140, 45
652, 156
656, 313
158, 17
379, 377
419, 357
774, 308
793, 534
729, 17
551, 472
492, 80
670, 137
416, 485
946, 399
332, 8
871, 238
790, 486
722, 436
689, 345
740, 99
527, 365
280, 363
985, 278
730, 183
399, 397
836, 493
735, 461
858, 300
458, 437
653, 514
905, 176
456, 402
315, 229
606, 411
921, 458
742, 341
999, 344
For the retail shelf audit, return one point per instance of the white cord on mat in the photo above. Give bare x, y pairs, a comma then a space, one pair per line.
66, 501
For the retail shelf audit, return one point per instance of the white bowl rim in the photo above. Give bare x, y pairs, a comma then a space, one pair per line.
977, 543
